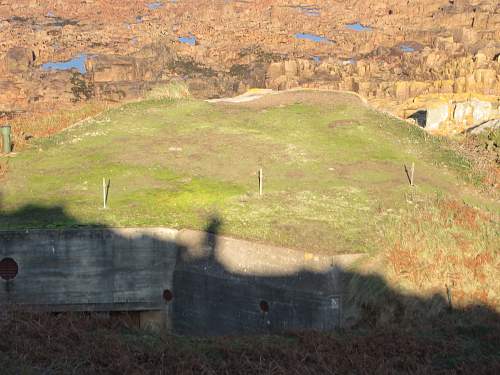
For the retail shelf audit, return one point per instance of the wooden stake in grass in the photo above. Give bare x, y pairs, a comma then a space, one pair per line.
448, 295
261, 181
412, 173
105, 191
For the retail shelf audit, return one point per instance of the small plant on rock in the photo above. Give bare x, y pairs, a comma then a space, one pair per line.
81, 89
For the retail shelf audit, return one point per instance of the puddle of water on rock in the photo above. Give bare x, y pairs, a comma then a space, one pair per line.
191, 40
155, 5
406, 48
77, 62
313, 37
357, 27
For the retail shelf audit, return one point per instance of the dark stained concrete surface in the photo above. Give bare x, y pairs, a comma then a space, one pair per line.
189, 282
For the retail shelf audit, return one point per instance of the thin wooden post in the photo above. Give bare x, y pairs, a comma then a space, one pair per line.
412, 173
104, 193
261, 181
448, 295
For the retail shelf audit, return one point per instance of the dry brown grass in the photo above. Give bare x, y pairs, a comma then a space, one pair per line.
3, 168
36, 125
87, 344
173, 90
446, 247
483, 152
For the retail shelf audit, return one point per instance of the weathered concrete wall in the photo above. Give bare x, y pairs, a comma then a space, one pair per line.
89, 269
224, 281
189, 282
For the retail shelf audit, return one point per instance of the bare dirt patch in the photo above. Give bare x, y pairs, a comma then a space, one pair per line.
338, 123
328, 99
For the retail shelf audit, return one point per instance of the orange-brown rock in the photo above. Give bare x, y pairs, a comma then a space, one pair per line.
18, 60
418, 48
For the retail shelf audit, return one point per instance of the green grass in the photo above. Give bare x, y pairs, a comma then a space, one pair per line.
175, 163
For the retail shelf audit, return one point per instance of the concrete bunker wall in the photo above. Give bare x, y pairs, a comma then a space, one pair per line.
185, 281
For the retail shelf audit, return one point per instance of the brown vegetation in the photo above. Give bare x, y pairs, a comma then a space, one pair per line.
37, 125
89, 344
484, 153
447, 247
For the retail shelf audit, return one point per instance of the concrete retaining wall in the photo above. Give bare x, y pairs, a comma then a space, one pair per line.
90, 269
189, 282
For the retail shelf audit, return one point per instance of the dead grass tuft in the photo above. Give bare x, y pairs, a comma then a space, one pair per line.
3, 168
460, 214
173, 90
483, 152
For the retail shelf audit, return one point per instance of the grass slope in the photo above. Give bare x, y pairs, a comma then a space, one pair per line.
333, 171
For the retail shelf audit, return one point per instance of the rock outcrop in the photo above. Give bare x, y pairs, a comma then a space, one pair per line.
18, 60
428, 47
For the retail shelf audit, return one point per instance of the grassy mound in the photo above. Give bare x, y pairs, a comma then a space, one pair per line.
333, 170
334, 182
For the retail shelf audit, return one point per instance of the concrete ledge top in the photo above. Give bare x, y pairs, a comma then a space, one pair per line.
238, 256
257, 259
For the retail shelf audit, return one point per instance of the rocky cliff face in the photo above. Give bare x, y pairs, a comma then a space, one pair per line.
441, 116
392, 52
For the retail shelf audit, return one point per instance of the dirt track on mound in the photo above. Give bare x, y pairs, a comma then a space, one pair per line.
328, 99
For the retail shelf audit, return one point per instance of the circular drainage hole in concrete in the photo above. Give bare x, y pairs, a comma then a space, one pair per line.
8, 268
264, 306
167, 295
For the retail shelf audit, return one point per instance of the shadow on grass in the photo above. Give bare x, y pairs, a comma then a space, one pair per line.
333, 321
